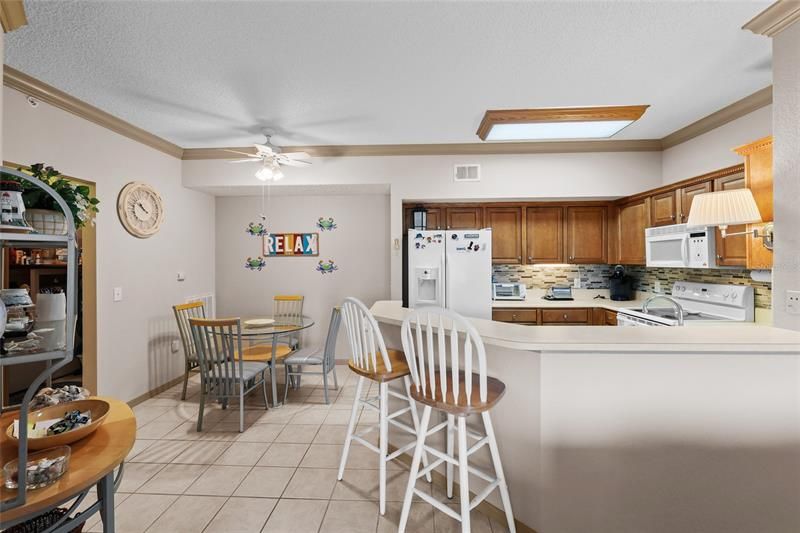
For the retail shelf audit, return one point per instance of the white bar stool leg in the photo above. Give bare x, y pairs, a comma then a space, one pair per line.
498, 471
351, 425
451, 427
415, 461
383, 442
415, 419
463, 473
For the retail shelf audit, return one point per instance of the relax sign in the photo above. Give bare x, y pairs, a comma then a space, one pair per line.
280, 244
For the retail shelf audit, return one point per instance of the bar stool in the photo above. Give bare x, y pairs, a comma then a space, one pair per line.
457, 392
366, 342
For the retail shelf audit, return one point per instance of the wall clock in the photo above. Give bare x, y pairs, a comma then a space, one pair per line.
140, 209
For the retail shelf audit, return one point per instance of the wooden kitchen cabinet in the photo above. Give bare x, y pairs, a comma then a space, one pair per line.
464, 217
587, 234
435, 218
731, 251
572, 316
686, 196
758, 178
664, 208
632, 219
506, 224
517, 316
544, 235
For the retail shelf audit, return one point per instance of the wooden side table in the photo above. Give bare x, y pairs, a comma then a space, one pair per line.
92, 463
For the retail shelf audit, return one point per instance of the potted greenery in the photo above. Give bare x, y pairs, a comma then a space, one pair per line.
41, 210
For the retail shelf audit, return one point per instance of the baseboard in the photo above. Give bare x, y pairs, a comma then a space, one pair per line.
155, 392
485, 507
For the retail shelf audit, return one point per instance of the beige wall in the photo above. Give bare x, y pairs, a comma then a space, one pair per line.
551, 176
357, 246
786, 115
135, 334
714, 150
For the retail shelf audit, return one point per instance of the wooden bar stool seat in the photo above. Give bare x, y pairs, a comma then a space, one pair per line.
495, 389
442, 348
397, 368
371, 360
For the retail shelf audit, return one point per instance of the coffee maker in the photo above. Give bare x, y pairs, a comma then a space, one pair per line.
620, 285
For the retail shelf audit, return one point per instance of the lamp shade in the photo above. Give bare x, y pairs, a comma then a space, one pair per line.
724, 208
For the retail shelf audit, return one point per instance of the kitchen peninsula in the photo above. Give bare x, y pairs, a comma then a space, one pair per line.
644, 429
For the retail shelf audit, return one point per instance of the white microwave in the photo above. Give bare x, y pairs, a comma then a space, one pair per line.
681, 246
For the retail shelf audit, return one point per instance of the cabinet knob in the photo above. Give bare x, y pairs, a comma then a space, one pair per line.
530, 259
719, 257
681, 216
519, 258
565, 316
672, 217
513, 317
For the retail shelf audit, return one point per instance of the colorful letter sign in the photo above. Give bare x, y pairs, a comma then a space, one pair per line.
287, 244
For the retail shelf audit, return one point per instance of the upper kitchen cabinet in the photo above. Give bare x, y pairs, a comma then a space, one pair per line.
758, 177
544, 235
732, 250
587, 233
685, 196
664, 208
435, 218
464, 217
506, 224
632, 219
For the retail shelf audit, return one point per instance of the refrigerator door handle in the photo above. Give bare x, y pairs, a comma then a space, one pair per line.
446, 289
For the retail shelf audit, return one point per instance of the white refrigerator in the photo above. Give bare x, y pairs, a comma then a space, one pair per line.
451, 269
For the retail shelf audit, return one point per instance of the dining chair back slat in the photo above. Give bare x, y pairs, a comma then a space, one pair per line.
365, 337
436, 363
218, 341
183, 312
329, 353
287, 309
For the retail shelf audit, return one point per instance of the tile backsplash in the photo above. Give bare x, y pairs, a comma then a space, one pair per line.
596, 277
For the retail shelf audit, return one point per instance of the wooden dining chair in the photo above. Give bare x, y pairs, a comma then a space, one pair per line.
223, 376
183, 312
442, 349
325, 358
371, 360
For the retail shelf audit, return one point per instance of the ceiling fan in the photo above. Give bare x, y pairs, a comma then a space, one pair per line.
272, 158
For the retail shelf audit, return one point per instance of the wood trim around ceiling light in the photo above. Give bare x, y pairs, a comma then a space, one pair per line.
39, 90
12, 15
557, 114
719, 118
506, 148
775, 18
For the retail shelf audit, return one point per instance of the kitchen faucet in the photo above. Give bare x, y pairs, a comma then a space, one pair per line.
675, 304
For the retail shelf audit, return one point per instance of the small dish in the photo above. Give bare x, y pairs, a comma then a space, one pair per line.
98, 408
43, 468
258, 322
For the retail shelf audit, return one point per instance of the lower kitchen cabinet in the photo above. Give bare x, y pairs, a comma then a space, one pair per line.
557, 316
517, 316
572, 316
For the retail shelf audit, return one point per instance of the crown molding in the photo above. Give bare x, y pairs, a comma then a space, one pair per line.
12, 15
775, 18
30, 86
367, 150
719, 118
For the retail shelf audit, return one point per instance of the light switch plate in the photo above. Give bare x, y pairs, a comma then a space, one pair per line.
117, 294
793, 302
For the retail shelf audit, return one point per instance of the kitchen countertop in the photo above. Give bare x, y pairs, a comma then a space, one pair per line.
598, 339
583, 298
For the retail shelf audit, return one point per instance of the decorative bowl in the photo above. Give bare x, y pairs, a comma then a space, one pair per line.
44, 468
98, 408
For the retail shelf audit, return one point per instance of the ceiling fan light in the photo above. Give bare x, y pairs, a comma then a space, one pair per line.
277, 174
265, 173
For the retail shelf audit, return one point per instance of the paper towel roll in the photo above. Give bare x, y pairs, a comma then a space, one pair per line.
50, 307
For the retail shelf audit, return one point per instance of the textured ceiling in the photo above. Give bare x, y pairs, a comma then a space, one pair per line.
212, 73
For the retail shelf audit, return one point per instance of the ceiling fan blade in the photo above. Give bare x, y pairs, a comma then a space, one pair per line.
264, 149
238, 152
293, 162
296, 155
252, 160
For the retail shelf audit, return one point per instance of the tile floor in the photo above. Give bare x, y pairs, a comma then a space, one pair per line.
278, 476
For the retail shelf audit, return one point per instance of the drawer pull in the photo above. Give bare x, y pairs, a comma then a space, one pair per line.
565, 316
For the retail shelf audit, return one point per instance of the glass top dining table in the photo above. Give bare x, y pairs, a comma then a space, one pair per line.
252, 332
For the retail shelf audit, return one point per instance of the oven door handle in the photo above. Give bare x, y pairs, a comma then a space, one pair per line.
685, 251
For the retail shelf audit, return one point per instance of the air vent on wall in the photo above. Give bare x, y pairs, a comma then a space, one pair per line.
467, 173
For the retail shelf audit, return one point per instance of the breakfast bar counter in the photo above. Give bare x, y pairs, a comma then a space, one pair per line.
644, 429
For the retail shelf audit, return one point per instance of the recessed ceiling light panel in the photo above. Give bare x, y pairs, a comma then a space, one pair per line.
557, 123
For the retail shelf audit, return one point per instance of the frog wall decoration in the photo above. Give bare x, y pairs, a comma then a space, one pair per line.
327, 267
255, 264
256, 229
326, 224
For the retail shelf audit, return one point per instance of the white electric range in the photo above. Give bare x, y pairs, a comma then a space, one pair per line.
701, 303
